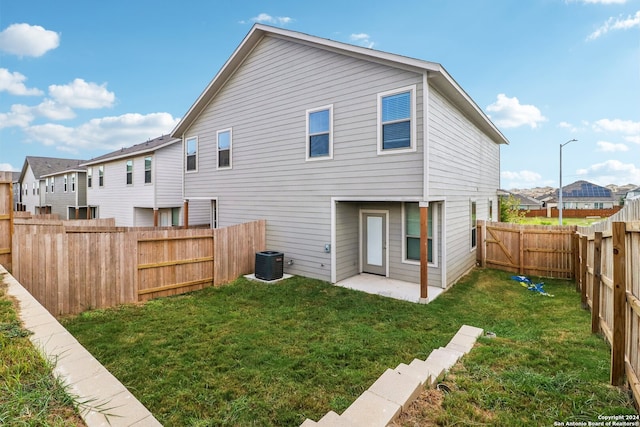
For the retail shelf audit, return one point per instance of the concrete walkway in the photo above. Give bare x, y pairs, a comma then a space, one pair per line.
104, 401
391, 288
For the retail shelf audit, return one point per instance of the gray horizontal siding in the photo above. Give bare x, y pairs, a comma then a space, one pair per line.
265, 104
464, 166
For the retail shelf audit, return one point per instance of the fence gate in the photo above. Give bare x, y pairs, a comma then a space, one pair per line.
531, 250
6, 218
172, 265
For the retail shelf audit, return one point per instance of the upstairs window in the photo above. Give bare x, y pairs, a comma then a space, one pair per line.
320, 133
101, 176
147, 170
224, 148
396, 123
129, 172
89, 177
46, 185
73, 182
64, 182
191, 153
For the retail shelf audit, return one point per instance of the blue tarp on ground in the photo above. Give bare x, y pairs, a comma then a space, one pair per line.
535, 287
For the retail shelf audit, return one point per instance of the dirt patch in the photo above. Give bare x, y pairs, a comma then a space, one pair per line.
423, 411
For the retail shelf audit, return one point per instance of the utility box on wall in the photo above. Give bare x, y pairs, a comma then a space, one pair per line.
269, 265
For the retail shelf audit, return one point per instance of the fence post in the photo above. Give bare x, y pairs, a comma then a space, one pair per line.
619, 303
583, 271
597, 277
521, 255
576, 255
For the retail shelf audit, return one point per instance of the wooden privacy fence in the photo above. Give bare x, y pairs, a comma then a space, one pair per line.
6, 218
538, 250
610, 287
78, 268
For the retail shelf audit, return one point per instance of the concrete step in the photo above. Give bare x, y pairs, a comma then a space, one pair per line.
422, 375
434, 371
371, 410
397, 387
331, 419
442, 359
308, 423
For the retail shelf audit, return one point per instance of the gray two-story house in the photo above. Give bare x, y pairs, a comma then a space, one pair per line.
51, 185
361, 161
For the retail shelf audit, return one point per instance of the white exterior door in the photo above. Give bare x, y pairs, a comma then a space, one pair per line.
374, 243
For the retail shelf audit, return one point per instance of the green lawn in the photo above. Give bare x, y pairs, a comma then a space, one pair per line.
256, 354
565, 221
29, 395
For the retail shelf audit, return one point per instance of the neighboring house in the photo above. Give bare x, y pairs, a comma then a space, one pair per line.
16, 191
633, 194
524, 202
65, 193
33, 182
585, 195
139, 185
343, 150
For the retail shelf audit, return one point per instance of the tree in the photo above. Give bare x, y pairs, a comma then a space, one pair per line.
510, 209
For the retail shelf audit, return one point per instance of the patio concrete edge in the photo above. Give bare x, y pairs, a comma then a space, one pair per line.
103, 400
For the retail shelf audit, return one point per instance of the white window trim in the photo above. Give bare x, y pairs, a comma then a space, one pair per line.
434, 239
126, 172
144, 161
186, 144
412, 147
73, 182
307, 144
65, 182
230, 130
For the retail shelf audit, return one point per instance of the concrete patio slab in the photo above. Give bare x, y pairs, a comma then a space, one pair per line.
390, 288
331, 419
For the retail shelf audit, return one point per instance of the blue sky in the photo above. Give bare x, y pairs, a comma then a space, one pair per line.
80, 78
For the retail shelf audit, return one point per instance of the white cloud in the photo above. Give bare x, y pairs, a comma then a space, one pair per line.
634, 139
13, 83
615, 24
104, 133
611, 171
7, 167
611, 147
522, 179
20, 115
80, 94
265, 18
616, 125
28, 40
362, 39
569, 126
604, 1
509, 113
54, 110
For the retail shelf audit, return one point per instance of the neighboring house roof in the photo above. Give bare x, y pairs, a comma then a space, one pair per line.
135, 150
47, 166
586, 191
15, 177
523, 200
436, 74
633, 194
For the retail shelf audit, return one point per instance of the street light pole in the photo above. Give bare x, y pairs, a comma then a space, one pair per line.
560, 189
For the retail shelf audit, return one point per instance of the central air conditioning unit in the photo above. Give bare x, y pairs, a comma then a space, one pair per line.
269, 265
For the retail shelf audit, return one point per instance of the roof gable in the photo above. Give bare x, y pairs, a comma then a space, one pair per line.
45, 166
149, 146
437, 75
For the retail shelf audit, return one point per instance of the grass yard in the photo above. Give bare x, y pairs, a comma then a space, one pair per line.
565, 221
29, 395
256, 354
